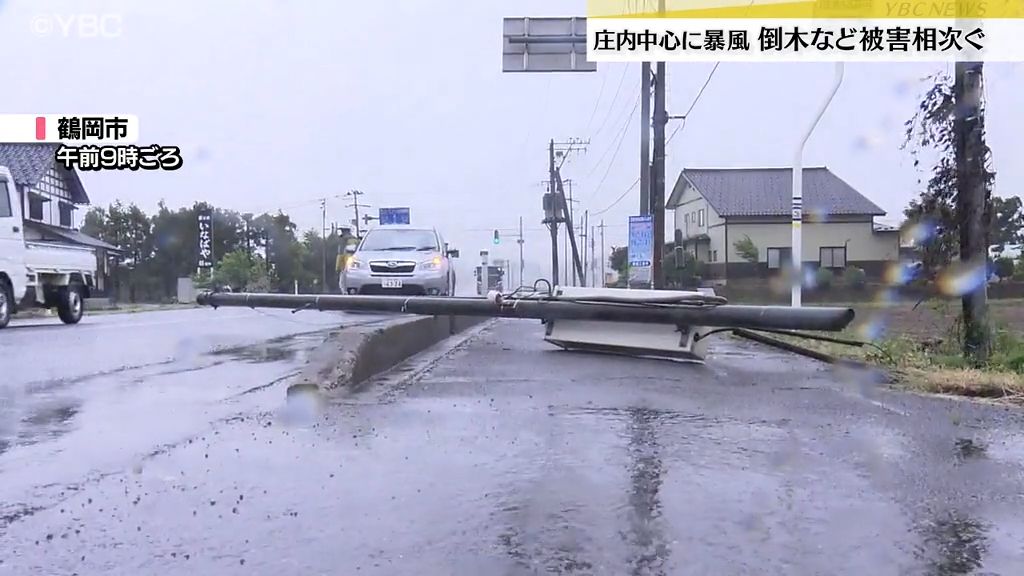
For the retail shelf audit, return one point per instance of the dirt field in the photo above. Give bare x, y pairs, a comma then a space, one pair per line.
932, 319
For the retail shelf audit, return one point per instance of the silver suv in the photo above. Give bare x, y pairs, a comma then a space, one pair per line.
400, 260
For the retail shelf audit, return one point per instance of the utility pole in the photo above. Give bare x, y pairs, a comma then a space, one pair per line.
658, 176
323, 245
645, 138
593, 263
972, 197
552, 217
355, 194
556, 208
603, 259
587, 254
520, 242
577, 265
569, 224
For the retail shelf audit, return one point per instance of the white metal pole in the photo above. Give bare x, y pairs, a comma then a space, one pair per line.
798, 192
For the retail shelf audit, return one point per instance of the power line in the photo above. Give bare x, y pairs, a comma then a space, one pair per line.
622, 137
615, 99
617, 200
597, 103
690, 109
616, 143
694, 103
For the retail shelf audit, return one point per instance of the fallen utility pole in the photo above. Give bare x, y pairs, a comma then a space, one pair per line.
700, 310
567, 215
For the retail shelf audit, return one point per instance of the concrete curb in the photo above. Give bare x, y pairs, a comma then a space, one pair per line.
351, 355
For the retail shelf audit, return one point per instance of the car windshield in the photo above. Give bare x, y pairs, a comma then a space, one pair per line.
400, 240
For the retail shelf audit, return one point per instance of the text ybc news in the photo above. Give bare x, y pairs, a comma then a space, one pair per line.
87, 25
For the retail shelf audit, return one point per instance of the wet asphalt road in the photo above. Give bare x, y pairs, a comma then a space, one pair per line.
80, 402
503, 456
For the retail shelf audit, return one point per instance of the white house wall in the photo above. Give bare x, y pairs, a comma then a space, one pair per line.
862, 243
690, 203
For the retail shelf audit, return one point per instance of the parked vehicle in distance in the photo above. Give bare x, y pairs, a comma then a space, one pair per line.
1011, 251
400, 260
39, 273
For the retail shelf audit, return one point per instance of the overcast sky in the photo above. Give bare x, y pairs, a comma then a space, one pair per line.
277, 103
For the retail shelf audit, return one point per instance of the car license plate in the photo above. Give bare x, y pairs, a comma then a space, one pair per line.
391, 283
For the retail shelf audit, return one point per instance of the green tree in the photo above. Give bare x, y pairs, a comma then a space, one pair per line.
855, 277
619, 261
315, 266
1004, 268
275, 234
747, 250
942, 126
241, 272
131, 230
1007, 221
823, 278
95, 223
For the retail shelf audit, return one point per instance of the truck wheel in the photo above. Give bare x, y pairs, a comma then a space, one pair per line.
6, 304
70, 305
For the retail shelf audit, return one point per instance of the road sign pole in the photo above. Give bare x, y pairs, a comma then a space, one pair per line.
645, 138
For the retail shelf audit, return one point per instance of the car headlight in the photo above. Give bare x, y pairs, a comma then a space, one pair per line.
354, 264
432, 264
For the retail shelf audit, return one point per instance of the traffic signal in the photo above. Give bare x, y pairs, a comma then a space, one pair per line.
497, 239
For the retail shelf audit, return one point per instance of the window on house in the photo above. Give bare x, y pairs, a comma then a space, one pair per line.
35, 207
700, 217
779, 257
66, 212
686, 218
833, 257
714, 255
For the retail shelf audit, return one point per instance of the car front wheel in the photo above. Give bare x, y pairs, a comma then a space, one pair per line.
6, 305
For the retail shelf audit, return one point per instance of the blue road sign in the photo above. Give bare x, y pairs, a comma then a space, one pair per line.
641, 241
394, 216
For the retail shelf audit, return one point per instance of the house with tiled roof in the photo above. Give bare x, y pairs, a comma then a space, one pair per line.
52, 198
717, 207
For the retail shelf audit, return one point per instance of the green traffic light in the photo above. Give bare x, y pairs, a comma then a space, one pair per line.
497, 240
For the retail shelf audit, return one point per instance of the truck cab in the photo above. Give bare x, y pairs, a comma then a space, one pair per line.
38, 273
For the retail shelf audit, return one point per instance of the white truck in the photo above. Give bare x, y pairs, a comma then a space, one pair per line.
36, 273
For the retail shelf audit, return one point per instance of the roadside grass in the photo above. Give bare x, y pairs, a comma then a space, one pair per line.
922, 354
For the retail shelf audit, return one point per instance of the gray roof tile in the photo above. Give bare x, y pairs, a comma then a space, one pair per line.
30, 162
768, 192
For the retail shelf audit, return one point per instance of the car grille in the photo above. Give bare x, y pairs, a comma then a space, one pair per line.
398, 268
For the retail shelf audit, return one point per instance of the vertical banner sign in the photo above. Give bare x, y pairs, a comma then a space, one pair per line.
393, 216
641, 249
205, 219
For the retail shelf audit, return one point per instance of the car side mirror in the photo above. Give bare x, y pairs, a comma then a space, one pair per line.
453, 253
350, 249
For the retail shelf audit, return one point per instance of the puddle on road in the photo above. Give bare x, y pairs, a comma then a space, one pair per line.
45, 420
276, 350
953, 544
646, 536
968, 448
258, 354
